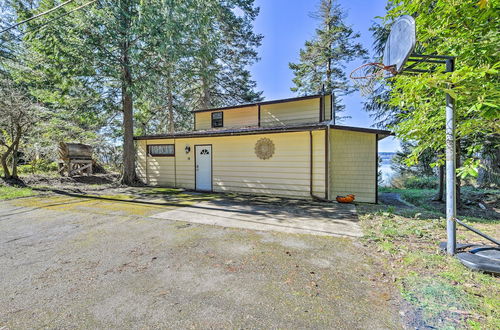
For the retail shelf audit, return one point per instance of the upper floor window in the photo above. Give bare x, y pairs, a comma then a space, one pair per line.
161, 150
217, 119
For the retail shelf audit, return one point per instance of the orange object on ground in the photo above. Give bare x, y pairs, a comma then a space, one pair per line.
346, 199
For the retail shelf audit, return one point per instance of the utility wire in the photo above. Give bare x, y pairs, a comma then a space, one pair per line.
37, 16
56, 18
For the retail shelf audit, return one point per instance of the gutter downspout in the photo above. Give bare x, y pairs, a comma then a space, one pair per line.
327, 147
311, 164
314, 197
327, 162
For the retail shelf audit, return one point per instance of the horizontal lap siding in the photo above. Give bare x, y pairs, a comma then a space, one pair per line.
233, 154
290, 113
353, 165
203, 120
161, 169
319, 164
232, 118
185, 162
327, 108
140, 160
236, 167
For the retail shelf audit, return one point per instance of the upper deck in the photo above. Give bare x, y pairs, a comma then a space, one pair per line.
295, 111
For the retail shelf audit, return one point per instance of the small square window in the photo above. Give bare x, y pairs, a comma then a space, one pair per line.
161, 150
217, 119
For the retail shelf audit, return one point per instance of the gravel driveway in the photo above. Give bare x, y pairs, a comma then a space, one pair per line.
101, 263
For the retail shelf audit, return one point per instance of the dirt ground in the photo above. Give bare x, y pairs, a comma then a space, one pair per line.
76, 261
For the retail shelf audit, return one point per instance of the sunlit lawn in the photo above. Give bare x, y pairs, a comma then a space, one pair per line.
8, 192
446, 294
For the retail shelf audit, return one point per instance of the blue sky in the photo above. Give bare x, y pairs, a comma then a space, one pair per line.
286, 25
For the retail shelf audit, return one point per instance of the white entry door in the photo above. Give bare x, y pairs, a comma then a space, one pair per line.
203, 167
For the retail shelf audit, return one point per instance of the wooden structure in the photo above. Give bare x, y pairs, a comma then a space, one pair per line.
75, 159
288, 148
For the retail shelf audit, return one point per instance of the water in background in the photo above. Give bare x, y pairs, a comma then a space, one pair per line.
385, 167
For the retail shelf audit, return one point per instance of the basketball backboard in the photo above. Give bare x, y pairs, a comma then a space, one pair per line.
400, 43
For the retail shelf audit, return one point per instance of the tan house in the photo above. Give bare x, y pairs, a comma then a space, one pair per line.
285, 148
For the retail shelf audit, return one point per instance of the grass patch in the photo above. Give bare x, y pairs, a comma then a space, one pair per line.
440, 302
8, 192
446, 294
161, 191
472, 198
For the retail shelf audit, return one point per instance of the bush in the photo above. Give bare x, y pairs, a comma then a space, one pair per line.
416, 182
38, 167
44, 166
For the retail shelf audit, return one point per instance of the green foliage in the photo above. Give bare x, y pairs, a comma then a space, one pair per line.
445, 294
420, 182
322, 61
469, 32
39, 166
8, 192
405, 162
209, 71
114, 66
437, 298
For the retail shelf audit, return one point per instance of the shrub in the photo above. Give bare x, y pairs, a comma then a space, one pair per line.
415, 182
38, 167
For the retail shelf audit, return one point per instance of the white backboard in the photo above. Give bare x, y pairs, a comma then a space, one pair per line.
400, 43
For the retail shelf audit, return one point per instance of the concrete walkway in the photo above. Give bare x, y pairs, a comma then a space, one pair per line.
298, 217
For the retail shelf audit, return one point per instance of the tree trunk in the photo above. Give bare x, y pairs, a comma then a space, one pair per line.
129, 176
15, 160
3, 159
15, 149
170, 106
329, 87
440, 194
205, 102
489, 172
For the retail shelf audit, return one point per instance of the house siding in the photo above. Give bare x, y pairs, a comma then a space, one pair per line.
232, 118
327, 108
236, 168
353, 165
306, 111
140, 160
290, 113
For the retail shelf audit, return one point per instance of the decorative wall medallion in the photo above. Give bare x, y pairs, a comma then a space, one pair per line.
264, 148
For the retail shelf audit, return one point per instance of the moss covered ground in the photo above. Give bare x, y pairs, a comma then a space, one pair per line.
9, 192
445, 294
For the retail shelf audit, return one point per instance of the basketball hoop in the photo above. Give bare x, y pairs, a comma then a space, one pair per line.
366, 76
400, 44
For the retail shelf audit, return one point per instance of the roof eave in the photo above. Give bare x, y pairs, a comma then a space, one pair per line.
267, 130
380, 133
240, 106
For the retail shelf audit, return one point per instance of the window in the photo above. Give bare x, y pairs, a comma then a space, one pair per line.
161, 150
217, 119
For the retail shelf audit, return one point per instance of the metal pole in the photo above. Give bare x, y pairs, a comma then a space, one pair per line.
451, 198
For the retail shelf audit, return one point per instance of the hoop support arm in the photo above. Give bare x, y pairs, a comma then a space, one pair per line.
444, 57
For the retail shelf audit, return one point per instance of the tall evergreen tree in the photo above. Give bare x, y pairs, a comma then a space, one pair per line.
150, 60
225, 46
322, 61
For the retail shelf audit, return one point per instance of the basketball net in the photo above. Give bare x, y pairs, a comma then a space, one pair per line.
367, 76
